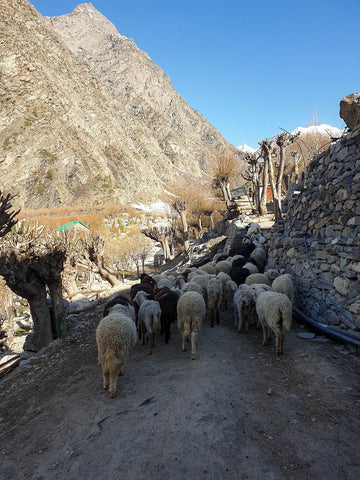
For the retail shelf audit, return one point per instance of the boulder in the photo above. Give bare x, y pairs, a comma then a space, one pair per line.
350, 110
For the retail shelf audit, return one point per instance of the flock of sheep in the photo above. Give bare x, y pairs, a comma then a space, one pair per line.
238, 280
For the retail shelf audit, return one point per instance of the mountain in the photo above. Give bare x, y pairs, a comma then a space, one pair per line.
86, 117
246, 149
323, 129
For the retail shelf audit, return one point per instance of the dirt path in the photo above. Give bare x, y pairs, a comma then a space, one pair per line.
236, 412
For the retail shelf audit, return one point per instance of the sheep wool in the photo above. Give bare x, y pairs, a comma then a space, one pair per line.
191, 311
283, 284
257, 278
275, 315
116, 335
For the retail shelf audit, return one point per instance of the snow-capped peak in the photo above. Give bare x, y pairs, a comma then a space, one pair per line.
323, 129
246, 149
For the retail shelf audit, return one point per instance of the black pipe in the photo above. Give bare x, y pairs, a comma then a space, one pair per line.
326, 329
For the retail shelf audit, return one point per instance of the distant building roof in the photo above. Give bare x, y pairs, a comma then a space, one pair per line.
70, 225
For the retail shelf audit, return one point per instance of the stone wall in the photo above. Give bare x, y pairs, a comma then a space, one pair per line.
320, 238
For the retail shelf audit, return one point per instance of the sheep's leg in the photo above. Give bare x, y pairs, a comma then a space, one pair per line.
185, 336
217, 316
193, 345
167, 332
150, 343
264, 334
212, 315
223, 304
106, 380
279, 343
236, 321
141, 334
113, 384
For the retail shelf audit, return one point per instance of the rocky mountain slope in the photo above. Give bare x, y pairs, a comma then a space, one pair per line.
86, 116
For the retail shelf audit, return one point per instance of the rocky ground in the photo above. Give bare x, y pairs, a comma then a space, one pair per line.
236, 412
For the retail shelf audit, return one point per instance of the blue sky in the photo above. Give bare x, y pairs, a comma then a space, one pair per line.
250, 66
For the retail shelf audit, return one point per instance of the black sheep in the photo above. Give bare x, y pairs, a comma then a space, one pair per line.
241, 246
118, 300
168, 303
239, 275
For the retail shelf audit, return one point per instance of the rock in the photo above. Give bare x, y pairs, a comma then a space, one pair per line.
30, 343
306, 335
350, 110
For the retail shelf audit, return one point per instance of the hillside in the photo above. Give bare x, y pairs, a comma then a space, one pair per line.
67, 137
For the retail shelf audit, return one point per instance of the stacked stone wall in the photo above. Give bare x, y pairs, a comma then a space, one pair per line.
319, 242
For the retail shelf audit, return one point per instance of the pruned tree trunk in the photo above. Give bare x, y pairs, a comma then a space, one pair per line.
58, 317
265, 145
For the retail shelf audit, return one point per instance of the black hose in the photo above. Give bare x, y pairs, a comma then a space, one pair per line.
326, 329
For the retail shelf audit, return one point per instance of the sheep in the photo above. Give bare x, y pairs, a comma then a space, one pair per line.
214, 290
193, 287
283, 284
116, 335
229, 292
239, 275
242, 306
271, 274
223, 266
241, 245
117, 299
224, 277
149, 315
256, 289
251, 267
237, 257
191, 311
275, 315
202, 280
257, 278
258, 256
207, 268
168, 302
164, 282
220, 256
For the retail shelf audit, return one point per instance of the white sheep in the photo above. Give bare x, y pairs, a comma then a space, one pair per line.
283, 284
275, 315
164, 282
229, 292
258, 255
224, 277
202, 280
242, 306
223, 266
251, 267
272, 273
193, 287
191, 311
149, 319
214, 290
257, 278
116, 335
256, 289
208, 268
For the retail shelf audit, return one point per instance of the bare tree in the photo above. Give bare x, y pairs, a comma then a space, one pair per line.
223, 168
265, 146
7, 217
162, 235
31, 263
93, 254
253, 174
